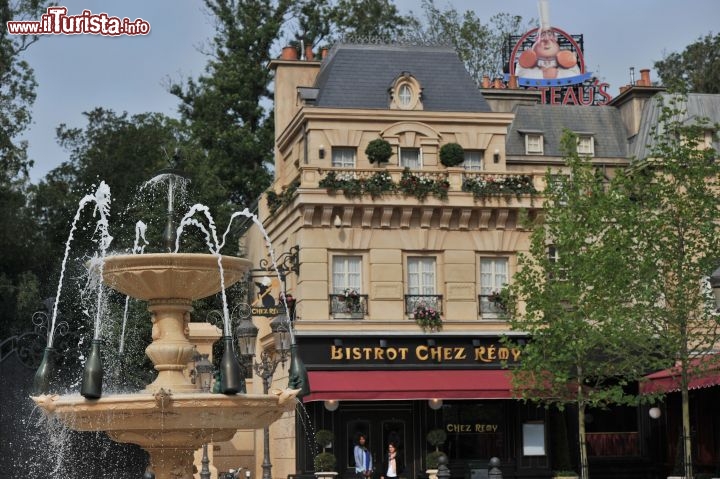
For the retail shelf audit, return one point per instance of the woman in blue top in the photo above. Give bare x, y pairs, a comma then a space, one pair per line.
363, 458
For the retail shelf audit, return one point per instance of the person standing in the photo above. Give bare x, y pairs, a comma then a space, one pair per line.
393, 465
363, 458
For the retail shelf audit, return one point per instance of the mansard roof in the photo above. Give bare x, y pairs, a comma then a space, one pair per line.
359, 76
602, 122
698, 106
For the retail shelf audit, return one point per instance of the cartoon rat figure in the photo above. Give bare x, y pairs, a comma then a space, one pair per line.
545, 59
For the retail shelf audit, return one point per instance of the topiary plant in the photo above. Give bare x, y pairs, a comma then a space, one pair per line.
435, 437
452, 154
325, 461
378, 150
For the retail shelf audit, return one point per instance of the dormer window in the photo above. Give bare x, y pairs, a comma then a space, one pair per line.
405, 93
533, 144
586, 145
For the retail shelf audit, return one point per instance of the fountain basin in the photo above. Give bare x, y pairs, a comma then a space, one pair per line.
164, 420
187, 276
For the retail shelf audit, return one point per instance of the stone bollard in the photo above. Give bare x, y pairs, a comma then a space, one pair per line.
443, 472
494, 472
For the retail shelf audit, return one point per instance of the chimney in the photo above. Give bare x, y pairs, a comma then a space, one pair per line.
289, 53
513, 82
485, 81
309, 55
645, 77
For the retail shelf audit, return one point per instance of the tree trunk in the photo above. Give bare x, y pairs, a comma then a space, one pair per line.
687, 440
584, 468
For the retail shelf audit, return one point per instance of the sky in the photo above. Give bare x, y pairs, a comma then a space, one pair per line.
76, 73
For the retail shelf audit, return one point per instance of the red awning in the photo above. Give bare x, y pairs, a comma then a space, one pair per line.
668, 380
439, 384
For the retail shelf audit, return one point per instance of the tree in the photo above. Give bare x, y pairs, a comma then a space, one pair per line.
327, 21
695, 69
581, 307
676, 235
479, 45
223, 108
18, 235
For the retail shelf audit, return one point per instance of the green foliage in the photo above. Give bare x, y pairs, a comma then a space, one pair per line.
378, 151
323, 437
431, 460
478, 44
451, 154
224, 107
276, 201
325, 461
484, 187
376, 185
420, 186
436, 437
695, 69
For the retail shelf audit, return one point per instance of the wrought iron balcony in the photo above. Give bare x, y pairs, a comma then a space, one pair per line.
413, 301
491, 307
352, 306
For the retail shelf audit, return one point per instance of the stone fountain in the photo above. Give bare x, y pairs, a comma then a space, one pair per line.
171, 417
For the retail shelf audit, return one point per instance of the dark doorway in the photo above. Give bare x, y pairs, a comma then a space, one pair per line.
381, 423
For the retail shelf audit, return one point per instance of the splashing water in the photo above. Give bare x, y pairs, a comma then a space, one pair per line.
140, 229
215, 246
101, 198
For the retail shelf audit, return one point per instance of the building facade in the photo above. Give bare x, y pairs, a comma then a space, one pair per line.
385, 248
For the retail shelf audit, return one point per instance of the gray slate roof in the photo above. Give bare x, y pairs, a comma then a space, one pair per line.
358, 76
698, 105
603, 122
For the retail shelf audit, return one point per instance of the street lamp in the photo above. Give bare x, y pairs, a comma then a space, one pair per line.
269, 359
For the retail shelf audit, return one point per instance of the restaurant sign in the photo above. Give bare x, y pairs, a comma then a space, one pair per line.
550, 60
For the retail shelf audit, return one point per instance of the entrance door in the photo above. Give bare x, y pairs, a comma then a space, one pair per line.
381, 423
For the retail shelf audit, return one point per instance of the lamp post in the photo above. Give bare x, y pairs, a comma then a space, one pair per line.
265, 368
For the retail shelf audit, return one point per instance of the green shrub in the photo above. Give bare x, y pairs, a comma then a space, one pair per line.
379, 151
325, 461
452, 154
324, 437
436, 437
431, 460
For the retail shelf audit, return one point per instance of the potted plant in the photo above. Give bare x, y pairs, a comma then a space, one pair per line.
325, 461
351, 298
436, 437
451, 154
379, 151
427, 317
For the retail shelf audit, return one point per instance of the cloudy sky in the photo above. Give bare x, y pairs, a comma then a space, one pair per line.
78, 73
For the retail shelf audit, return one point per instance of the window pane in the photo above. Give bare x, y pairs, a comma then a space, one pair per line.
410, 157
347, 273
473, 159
405, 95
421, 275
343, 157
533, 439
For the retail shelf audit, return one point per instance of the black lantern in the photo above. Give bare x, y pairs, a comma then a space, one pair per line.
204, 373
246, 333
281, 334
715, 285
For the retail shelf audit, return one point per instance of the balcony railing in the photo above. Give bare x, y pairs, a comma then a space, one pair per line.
490, 308
413, 301
349, 306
